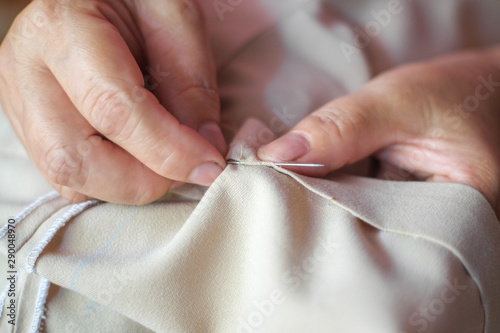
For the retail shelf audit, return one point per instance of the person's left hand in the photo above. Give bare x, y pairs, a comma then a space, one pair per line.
440, 120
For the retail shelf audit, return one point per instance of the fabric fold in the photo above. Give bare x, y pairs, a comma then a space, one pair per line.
267, 250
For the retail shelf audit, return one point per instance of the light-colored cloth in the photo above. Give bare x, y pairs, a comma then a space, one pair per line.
265, 250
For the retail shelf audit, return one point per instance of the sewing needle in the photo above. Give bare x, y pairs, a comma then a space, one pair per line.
307, 165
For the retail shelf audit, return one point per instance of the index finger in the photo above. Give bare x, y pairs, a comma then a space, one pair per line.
108, 91
177, 47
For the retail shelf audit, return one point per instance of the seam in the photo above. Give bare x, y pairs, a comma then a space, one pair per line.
28, 210
41, 299
50, 233
453, 250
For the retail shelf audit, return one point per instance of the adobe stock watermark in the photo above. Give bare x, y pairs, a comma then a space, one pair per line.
363, 36
291, 279
222, 7
115, 283
153, 78
428, 313
483, 91
452, 119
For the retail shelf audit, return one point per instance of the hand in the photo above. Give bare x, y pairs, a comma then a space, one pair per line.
72, 87
439, 119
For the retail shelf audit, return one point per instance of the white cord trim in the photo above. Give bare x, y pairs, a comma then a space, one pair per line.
3, 297
28, 210
39, 314
50, 233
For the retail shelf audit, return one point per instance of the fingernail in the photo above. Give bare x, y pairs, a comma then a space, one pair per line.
205, 174
212, 132
289, 147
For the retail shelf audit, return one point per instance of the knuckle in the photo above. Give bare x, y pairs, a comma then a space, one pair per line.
63, 166
197, 86
187, 98
336, 122
37, 16
35, 27
108, 112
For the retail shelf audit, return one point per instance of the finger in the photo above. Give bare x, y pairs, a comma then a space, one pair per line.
65, 192
75, 159
181, 70
108, 91
342, 132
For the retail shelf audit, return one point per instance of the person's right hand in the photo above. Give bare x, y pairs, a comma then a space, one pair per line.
70, 75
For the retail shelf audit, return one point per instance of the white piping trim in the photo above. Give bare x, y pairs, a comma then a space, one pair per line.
3, 297
50, 233
39, 314
26, 211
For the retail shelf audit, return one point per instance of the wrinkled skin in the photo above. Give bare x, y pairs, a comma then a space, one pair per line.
439, 119
72, 84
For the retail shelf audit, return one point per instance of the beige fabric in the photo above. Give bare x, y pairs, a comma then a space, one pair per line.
264, 250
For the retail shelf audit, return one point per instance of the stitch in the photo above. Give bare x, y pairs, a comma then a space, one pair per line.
50, 233
26, 211
40, 309
376, 225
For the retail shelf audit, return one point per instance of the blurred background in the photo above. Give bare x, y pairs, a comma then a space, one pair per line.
8, 11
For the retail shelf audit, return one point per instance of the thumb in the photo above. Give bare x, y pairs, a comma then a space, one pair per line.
342, 132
